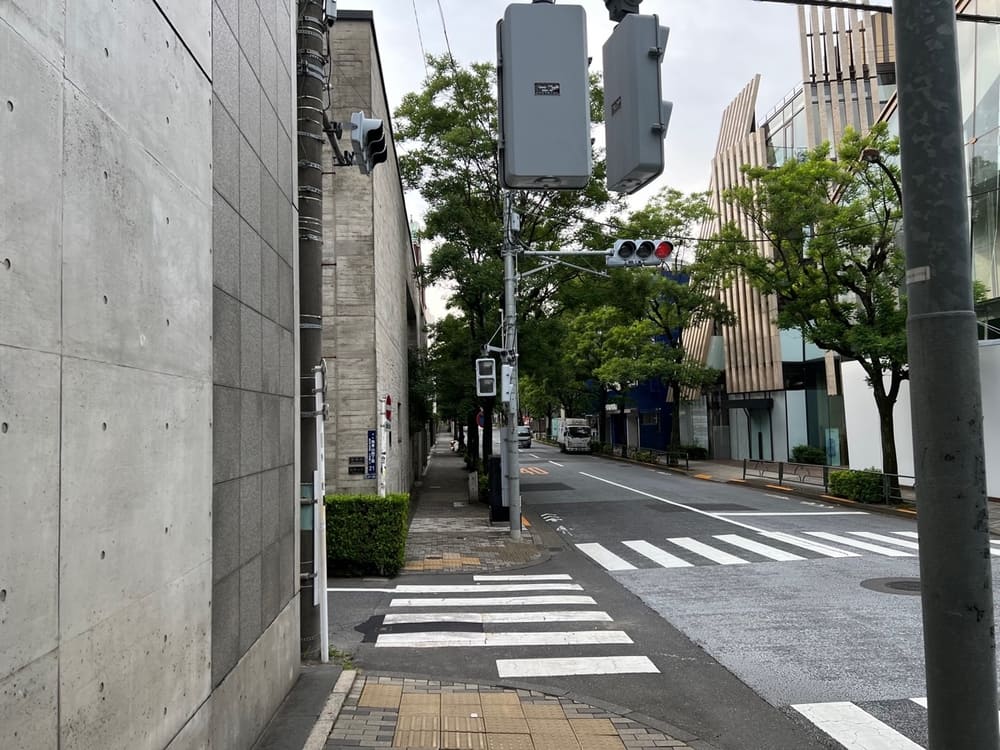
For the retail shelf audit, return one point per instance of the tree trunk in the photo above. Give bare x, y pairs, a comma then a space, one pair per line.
472, 454
675, 416
602, 417
887, 428
488, 430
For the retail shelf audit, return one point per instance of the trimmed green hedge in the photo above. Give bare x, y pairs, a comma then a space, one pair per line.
807, 454
366, 534
863, 486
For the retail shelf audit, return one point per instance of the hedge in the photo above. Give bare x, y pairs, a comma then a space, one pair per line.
807, 454
863, 486
366, 534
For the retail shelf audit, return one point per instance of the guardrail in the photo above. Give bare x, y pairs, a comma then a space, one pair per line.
819, 475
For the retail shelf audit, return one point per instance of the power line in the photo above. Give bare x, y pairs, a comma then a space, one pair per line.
444, 26
420, 39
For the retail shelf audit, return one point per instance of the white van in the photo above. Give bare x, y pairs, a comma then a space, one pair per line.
574, 436
524, 436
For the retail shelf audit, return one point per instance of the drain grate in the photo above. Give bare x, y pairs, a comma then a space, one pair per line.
904, 586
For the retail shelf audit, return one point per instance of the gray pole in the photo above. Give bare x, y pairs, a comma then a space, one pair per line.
510, 357
956, 586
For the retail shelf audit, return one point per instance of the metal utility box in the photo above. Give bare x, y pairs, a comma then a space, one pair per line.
544, 95
635, 117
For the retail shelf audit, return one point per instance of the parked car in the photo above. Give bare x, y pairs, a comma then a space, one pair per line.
524, 436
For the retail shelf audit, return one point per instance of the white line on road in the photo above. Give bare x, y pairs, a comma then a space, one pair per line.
860, 545
445, 639
772, 553
496, 618
555, 464
884, 538
780, 497
553, 577
492, 601
854, 728
534, 456
475, 588
808, 544
604, 557
794, 513
911, 534
575, 666
657, 555
713, 554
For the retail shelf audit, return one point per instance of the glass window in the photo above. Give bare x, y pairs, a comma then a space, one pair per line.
967, 72
983, 164
984, 239
799, 139
987, 77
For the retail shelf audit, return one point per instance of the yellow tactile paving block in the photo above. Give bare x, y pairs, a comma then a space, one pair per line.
509, 742
602, 742
503, 711
463, 741
550, 726
550, 710
588, 727
453, 723
420, 703
505, 724
381, 696
465, 700
418, 723
416, 739
556, 742
499, 699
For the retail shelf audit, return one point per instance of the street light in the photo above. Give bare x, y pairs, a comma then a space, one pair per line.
872, 155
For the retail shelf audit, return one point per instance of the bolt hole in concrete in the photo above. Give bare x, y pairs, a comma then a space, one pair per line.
106, 53
6, 263
105, 299
102, 554
104, 426
3, 428
105, 174
10, 106
168, 322
100, 688
3, 595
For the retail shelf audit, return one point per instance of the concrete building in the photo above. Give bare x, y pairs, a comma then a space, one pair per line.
374, 310
148, 491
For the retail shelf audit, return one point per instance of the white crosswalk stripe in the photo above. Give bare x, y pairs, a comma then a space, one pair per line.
713, 554
604, 557
772, 553
437, 620
855, 728
661, 557
839, 539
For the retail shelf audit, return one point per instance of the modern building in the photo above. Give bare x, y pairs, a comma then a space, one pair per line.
374, 309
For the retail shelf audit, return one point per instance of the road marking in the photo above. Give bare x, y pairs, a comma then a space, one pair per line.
883, 538
699, 511
713, 554
443, 639
555, 464
657, 555
761, 549
496, 618
780, 497
492, 601
860, 545
537, 470
534, 456
793, 513
911, 534
575, 666
808, 544
854, 728
604, 557
475, 588
552, 577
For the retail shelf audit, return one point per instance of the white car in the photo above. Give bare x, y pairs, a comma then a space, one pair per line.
523, 436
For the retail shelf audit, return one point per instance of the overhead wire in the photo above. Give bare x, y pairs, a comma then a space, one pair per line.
420, 39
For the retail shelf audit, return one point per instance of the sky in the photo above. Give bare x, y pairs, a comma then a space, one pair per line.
715, 48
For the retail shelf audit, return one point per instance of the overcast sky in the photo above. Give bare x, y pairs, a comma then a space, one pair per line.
715, 48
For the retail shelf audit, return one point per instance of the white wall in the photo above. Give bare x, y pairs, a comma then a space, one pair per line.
862, 419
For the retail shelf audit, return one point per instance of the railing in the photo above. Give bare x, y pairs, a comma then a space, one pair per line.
678, 459
819, 475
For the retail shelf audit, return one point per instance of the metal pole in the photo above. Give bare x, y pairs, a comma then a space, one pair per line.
956, 586
510, 355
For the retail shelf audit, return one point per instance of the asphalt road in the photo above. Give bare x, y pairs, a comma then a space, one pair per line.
765, 621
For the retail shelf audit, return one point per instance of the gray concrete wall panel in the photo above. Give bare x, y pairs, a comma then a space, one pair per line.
250, 518
225, 624
28, 709
132, 64
249, 97
226, 339
250, 348
249, 184
225, 246
227, 407
30, 175
193, 23
41, 23
149, 435
251, 417
225, 62
135, 678
225, 529
226, 153
29, 509
137, 268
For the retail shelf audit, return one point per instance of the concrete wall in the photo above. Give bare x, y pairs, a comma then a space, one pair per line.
147, 423
372, 309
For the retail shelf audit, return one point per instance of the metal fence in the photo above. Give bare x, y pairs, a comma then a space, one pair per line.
819, 476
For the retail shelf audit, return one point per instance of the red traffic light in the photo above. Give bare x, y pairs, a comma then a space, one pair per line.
663, 249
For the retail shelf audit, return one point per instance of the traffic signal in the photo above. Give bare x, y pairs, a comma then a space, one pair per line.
639, 253
486, 377
368, 140
635, 117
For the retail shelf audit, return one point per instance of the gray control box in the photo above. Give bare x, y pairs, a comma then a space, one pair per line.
544, 96
635, 117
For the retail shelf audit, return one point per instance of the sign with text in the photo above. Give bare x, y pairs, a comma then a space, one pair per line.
372, 448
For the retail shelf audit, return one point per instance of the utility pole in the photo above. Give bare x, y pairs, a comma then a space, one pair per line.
945, 397
511, 225
311, 34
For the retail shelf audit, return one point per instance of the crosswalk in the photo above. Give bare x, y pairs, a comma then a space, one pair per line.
512, 612
874, 725
752, 547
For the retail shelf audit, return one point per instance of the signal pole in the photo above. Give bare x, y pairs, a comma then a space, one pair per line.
511, 225
946, 401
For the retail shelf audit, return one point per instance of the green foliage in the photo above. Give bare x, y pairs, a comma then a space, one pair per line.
695, 452
807, 454
366, 534
864, 486
421, 391
646, 457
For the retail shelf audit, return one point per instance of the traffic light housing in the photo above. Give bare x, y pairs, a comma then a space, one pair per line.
486, 377
639, 253
635, 117
368, 141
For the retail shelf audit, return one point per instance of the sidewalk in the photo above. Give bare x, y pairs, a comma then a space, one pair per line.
448, 534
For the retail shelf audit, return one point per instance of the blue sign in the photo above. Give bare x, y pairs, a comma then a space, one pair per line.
372, 447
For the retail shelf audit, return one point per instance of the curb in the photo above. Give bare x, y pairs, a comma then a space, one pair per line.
328, 716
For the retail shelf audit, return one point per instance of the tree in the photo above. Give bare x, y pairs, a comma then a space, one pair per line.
832, 259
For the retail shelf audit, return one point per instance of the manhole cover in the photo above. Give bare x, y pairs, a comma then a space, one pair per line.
905, 586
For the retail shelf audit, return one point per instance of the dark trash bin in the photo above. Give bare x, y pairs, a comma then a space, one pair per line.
494, 477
